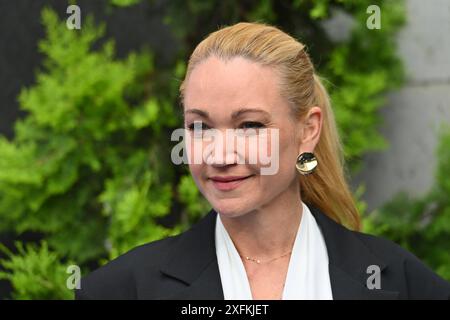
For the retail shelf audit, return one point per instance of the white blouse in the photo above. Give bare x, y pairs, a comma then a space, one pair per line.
307, 276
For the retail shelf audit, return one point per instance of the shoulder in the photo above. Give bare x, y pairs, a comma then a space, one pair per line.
418, 280
400, 271
118, 278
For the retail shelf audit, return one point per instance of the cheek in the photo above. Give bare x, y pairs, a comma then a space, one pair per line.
272, 148
194, 148
283, 153
196, 171
272, 185
262, 149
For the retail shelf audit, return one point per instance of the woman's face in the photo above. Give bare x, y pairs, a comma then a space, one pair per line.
216, 98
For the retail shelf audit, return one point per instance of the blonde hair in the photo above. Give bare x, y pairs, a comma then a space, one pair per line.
326, 188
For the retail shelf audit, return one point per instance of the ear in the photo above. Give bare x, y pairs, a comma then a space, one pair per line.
311, 127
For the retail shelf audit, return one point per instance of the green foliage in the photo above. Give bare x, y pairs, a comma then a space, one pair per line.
87, 168
190, 196
124, 3
35, 273
361, 70
421, 225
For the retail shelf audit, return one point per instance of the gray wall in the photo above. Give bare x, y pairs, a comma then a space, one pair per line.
413, 115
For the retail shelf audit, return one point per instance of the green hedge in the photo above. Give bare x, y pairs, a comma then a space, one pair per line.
421, 225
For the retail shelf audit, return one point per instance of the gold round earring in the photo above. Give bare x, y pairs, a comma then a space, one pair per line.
306, 163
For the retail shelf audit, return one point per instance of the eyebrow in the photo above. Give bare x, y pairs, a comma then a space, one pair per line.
234, 115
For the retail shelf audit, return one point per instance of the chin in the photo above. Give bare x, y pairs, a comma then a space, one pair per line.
230, 208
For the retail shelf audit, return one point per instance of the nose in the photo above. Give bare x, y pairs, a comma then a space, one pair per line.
220, 162
222, 151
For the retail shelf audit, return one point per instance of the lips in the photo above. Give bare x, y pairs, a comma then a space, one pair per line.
228, 178
226, 183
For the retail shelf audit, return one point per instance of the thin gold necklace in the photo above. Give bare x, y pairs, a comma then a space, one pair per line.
258, 261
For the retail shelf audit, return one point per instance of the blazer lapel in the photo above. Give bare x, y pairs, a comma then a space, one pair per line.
193, 262
349, 259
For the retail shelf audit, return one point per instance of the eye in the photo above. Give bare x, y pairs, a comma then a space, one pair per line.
198, 125
251, 125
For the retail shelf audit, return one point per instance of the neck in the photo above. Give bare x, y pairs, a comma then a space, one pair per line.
269, 230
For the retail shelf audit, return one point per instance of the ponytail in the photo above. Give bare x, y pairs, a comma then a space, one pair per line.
326, 188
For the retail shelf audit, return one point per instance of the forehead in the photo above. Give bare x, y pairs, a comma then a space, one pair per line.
219, 86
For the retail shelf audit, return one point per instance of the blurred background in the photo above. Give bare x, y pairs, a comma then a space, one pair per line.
86, 117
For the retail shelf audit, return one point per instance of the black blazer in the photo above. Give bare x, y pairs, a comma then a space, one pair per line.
185, 267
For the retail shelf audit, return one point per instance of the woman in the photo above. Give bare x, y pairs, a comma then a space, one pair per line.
270, 235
